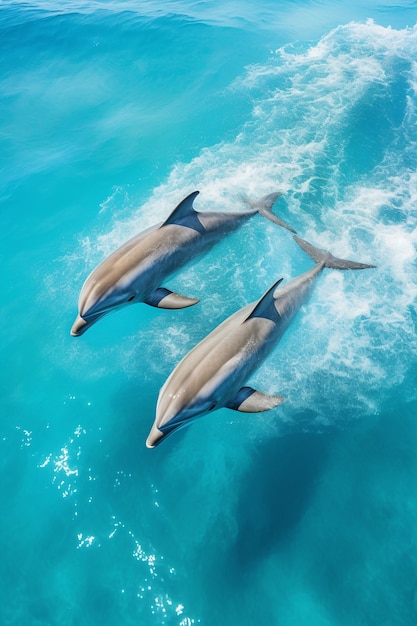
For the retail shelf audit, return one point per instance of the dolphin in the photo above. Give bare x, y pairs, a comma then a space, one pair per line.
213, 374
135, 271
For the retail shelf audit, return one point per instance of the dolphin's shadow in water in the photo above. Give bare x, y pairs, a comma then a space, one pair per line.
276, 493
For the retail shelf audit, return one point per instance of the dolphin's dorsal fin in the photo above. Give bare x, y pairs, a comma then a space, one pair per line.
163, 298
248, 400
185, 215
266, 305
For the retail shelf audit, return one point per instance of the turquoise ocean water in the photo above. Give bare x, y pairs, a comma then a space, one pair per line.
110, 113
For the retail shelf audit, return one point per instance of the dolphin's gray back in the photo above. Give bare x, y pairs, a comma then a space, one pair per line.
217, 222
235, 347
294, 294
107, 274
137, 254
213, 360
135, 272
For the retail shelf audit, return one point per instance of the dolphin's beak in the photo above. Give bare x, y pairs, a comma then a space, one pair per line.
159, 434
154, 438
79, 326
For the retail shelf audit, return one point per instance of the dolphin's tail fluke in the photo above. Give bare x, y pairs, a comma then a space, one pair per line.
264, 207
328, 260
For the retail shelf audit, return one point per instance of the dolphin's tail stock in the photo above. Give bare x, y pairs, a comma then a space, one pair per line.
264, 207
328, 260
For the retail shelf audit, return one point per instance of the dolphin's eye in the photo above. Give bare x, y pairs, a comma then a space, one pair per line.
212, 407
130, 298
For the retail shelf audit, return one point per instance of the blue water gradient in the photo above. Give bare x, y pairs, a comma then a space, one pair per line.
110, 113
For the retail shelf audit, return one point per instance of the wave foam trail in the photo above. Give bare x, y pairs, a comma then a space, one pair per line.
349, 188
333, 126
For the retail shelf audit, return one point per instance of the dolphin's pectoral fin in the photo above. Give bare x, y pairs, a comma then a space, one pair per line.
163, 298
248, 400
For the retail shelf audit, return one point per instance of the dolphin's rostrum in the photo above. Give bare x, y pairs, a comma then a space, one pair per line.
136, 270
214, 373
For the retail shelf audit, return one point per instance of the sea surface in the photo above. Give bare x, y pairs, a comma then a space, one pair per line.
110, 113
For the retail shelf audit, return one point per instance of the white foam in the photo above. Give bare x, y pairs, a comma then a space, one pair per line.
357, 326
296, 127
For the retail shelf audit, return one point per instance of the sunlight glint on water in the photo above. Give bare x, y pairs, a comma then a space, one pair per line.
304, 514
